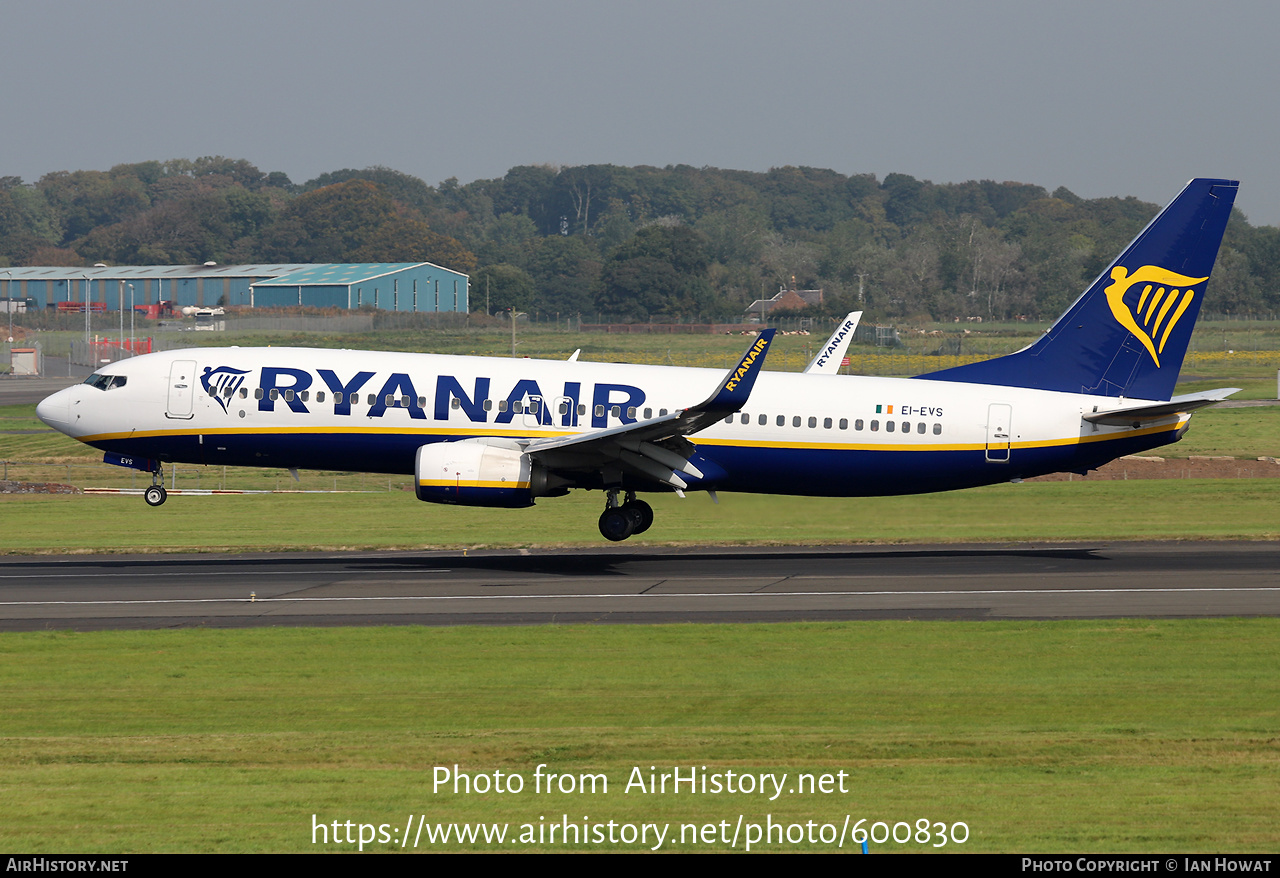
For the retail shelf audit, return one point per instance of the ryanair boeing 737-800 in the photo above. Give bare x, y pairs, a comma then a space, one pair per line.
484, 431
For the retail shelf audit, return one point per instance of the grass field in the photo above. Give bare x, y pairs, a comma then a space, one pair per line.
1071, 736
1157, 509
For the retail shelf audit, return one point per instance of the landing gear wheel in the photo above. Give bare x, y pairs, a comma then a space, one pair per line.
155, 495
616, 524
641, 515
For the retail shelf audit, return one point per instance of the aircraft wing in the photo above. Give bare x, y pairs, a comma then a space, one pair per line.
1136, 415
827, 361
640, 446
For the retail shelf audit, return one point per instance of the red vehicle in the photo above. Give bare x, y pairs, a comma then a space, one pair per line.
163, 308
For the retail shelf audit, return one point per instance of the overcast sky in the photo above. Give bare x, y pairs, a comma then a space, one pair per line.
1105, 98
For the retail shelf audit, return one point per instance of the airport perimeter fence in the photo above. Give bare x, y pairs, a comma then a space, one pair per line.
881, 362
94, 476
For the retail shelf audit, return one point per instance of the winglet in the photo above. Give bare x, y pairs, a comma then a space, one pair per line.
736, 386
827, 361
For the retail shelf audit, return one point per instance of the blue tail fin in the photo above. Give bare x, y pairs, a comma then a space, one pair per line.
1127, 335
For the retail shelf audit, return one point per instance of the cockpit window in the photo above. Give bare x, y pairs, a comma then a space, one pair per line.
106, 382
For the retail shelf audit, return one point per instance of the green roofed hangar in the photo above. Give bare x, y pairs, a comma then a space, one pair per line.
390, 286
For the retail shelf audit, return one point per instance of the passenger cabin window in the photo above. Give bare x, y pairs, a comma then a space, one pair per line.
920, 428
875, 426
888, 426
795, 421
937, 429
319, 396
782, 420
763, 420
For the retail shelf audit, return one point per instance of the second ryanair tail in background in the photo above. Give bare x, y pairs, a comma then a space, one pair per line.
1126, 336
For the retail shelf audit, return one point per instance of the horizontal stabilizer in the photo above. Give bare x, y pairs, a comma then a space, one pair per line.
1140, 414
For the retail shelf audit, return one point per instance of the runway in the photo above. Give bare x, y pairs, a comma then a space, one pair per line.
642, 586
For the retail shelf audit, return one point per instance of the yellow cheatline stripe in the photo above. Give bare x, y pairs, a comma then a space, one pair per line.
441, 483
970, 446
734, 443
293, 431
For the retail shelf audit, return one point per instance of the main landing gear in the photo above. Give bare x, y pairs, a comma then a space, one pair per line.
618, 522
156, 494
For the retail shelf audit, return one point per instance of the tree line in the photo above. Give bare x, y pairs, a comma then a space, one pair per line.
641, 243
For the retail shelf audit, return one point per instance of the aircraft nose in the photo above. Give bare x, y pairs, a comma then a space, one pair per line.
56, 410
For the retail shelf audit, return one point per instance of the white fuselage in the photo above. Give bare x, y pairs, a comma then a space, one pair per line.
369, 411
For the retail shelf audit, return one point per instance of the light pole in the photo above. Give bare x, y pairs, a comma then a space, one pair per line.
9, 291
120, 290
133, 345
87, 350
88, 307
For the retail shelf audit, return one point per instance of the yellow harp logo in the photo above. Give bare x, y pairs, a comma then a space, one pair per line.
1165, 296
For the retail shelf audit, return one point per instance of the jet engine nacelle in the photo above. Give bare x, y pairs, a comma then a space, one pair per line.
479, 472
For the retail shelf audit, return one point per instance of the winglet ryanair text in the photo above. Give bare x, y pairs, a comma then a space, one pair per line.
744, 368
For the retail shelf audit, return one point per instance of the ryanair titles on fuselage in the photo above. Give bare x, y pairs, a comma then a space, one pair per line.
479, 399
286, 385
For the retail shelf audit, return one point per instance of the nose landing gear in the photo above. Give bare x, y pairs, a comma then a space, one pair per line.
618, 522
